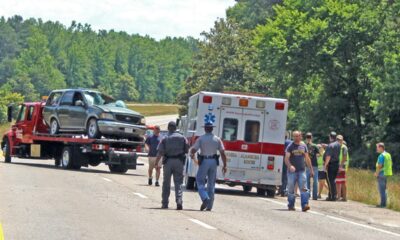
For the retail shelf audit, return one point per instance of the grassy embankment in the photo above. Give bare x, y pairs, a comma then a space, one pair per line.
154, 109
362, 187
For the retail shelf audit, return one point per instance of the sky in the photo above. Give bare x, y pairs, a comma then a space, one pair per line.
156, 18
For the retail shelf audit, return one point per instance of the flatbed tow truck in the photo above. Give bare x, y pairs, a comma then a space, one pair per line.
29, 138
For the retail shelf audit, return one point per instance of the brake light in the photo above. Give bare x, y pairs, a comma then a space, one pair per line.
279, 106
271, 161
243, 102
207, 99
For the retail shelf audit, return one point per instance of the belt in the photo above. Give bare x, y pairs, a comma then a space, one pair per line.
209, 157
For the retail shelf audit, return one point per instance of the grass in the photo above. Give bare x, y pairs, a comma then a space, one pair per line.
154, 109
3, 129
362, 187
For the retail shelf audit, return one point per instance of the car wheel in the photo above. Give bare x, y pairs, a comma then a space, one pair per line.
93, 128
54, 127
7, 151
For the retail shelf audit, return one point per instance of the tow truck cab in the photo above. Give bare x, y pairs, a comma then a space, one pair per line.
28, 138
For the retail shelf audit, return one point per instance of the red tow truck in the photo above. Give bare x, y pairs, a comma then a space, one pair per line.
29, 138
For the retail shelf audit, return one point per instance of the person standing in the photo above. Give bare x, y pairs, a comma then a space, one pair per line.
383, 171
283, 189
341, 186
173, 149
295, 160
314, 154
321, 169
332, 165
151, 145
208, 144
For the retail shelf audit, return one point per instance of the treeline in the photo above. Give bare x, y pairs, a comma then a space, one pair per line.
337, 61
37, 57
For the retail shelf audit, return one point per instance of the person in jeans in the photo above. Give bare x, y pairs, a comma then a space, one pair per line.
383, 171
283, 189
314, 154
321, 169
295, 160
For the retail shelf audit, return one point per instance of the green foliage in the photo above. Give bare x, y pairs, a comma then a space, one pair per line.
37, 57
6, 98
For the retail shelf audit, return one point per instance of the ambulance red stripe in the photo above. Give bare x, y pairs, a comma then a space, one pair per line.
258, 148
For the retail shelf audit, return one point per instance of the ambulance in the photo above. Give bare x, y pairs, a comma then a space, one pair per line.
252, 128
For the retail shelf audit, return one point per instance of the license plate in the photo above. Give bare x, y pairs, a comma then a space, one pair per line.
128, 130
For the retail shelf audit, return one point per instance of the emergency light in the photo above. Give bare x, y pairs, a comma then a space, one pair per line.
243, 102
207, 99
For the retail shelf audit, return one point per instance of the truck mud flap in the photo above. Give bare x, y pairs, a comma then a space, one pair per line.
125, 158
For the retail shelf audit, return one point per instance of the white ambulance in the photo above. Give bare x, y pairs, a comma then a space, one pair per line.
252, 128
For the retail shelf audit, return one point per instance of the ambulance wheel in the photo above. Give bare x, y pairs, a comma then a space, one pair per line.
247, 189
7, 151
66, 158
190, 182
271, 193
260, 192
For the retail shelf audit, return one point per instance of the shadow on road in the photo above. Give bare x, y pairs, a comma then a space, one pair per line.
83, 170
172, 209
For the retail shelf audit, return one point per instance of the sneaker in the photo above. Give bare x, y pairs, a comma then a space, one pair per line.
319, 196
208, 209
150, 181
157, 184
315, 199
306, 208
179, 207
330, 199
292, 209
164, 207
204, 204
343, 200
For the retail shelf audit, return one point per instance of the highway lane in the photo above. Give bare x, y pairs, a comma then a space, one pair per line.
40, 201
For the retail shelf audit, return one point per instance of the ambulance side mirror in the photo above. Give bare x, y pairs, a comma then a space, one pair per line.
9, 113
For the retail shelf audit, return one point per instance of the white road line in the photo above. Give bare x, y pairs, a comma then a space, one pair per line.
106, 179
338, 219
204, 225
140, 195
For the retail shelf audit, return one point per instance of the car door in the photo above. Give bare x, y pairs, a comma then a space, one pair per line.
78, 113
63, 110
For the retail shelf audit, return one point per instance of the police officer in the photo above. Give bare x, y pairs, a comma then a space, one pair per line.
173, 149
208, 144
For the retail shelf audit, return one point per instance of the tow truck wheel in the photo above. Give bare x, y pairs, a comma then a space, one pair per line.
190, 182
6, 151
260, 192
247, 189
54, 127
117, 168
66, 158
93, 129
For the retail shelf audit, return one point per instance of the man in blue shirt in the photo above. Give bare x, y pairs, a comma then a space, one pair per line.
151, 145
283, 189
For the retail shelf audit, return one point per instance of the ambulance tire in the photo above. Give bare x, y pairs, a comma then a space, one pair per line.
190, 182
7, 151
260, 192
247, 189
271, 193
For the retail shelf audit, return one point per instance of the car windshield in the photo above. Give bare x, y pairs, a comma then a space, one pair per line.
96, 98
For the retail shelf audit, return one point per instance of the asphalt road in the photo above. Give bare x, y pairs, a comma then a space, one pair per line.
40, 201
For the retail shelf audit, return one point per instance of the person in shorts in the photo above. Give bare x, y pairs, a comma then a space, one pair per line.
321, 169
151, 145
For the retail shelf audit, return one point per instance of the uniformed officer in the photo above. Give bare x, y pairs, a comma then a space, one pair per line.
173, 149
208, 144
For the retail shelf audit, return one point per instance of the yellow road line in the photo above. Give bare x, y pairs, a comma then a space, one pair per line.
1, 233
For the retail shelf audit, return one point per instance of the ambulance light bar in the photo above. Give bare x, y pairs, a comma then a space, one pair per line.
243, 102
260, 104
207, 99
226, 101
279, 106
